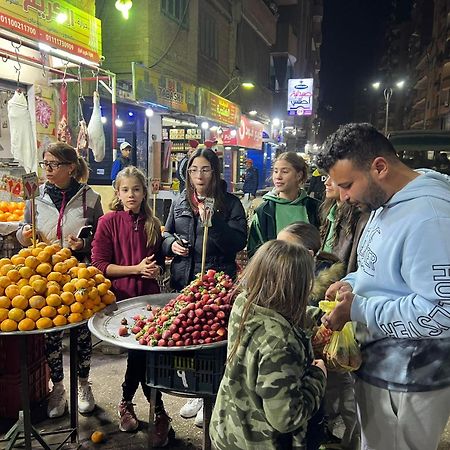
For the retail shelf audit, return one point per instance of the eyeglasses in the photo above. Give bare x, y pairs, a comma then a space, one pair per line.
52, 164
203, 171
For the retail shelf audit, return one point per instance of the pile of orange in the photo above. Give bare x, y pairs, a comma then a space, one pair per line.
11, 211
47, 287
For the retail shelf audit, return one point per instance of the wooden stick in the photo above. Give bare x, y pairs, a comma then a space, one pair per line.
154, 203
33, 221
205, 241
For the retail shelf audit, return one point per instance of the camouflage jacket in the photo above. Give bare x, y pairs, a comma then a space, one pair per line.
270, 388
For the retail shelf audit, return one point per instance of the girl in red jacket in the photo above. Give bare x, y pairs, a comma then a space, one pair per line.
127, 249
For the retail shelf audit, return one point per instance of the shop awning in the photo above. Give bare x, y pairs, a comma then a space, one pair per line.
420, 140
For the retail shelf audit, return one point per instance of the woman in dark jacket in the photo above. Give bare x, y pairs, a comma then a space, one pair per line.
183, 237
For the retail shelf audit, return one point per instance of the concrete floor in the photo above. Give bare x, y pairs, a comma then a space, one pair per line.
107, 374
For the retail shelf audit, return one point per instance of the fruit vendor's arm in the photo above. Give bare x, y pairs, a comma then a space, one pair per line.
290, 394
230, 235
26, 242
423, 266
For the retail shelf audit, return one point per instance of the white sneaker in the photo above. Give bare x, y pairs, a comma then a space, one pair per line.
191, 408
86, 401
57, 401
198, 422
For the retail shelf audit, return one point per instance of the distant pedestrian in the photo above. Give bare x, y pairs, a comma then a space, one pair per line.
123, 160
251, 179
316, 188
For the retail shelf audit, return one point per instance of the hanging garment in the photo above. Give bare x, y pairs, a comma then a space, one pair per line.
95, 131
23, 141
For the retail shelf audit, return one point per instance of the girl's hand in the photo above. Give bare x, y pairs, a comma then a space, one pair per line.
75, 243
148, 268
321, 365
179, 250
27, 232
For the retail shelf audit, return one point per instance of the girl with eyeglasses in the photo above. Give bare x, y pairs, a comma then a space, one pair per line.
184, 233
64, 205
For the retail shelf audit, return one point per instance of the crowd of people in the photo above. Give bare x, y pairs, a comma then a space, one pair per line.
377, 242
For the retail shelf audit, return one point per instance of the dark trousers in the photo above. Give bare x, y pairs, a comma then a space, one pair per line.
135, 374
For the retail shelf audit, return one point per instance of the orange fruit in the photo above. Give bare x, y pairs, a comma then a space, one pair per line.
8, 325
102, 288
63, 310
59, 321
27, 291
99, 307
33, 314
4, 281
25, 252
6, 268
13, 275
26, 324
65, 279
89, 304
82, 265
108, 298
53, 288
99, 278
32, 262
53, 248
81, 295
37, 302
83, 272
5, 302
39, 286
97, 437
37, 277
12, 290
48, 311
4, 261
74, 318
93, 293
44, 323
3, 314
65, 252
16, 314
82, 283
22, 282
108, 283
19, 301
93, 271
54, 276
53, 300
67, 298
69, 287
26, 272
16, 260
73, 272
44, 269
44, 256
57, 258
61, 267
35, 251
77, 307
87, 314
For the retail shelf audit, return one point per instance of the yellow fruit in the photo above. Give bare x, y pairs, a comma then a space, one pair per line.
69, 287
57, 258
16, 314
33, 313
6, 268
63, 310
61, 267
73, 272
23, 282
81, 295
77, 307
44, 323
53, 300
41, 245
93, 271
39, 286
44, 256
65, 252
16, 260
108, 298
91, 283
5, 302
37, 301
48, 311
83, 272
25, 252
87, 314
12, 290
35, 251
20, 302
32, 262
13, 275
26, 324
74, 318
102, 288
4, 281
82, 265
89, 304
8, 325
59, 321
99, 278
26, 272
71, 262
54, 248
3, 314
67, 298
44, 269
97, 437
93, 293
53, 288
108, 283
27, 291
4, 261
54, 276
82, 283
65, 279
37, 277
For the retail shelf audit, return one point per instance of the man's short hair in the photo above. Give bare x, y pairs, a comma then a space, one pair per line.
360, 143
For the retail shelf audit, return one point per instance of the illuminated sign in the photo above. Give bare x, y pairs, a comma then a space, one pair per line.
300, 97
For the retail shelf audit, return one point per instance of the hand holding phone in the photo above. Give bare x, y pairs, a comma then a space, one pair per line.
85, 232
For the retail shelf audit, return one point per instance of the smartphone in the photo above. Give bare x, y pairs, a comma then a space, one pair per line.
181, 241
85, 232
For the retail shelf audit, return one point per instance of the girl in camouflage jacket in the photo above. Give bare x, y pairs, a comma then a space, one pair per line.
272, 385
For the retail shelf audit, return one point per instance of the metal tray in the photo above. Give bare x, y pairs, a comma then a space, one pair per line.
45, 331
106, 323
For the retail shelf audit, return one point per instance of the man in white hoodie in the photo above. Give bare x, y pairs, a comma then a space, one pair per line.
400, 292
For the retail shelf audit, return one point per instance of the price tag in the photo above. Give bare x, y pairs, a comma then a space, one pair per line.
155, 185
30, 185
209, 211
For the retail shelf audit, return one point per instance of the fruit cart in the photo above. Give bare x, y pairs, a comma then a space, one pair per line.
188, 371
23, 429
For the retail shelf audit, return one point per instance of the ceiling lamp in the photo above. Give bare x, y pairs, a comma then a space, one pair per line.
124, 7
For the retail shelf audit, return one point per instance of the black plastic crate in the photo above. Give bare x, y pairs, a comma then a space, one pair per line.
190, 371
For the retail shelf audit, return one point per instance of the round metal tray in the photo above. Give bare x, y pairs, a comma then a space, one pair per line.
45, 331
106, 323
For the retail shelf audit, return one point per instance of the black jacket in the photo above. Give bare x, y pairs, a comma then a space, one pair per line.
226, 237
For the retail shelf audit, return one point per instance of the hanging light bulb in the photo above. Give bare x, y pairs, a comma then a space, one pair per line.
124, 7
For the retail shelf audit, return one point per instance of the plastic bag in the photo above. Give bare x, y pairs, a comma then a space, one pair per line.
341, 353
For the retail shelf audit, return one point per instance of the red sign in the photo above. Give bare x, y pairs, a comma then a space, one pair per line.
249, 134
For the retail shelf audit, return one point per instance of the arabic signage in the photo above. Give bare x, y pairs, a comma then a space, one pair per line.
248, 135
300, 97
80, 34
150, 86
218, 108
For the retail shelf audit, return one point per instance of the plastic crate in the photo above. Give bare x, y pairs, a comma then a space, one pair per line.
10, 392
191, 371
10, 352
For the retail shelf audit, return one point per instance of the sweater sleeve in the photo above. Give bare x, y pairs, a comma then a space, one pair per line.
102, 246
169, 229
255, 236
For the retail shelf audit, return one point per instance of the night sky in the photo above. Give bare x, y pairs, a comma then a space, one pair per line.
353, 33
